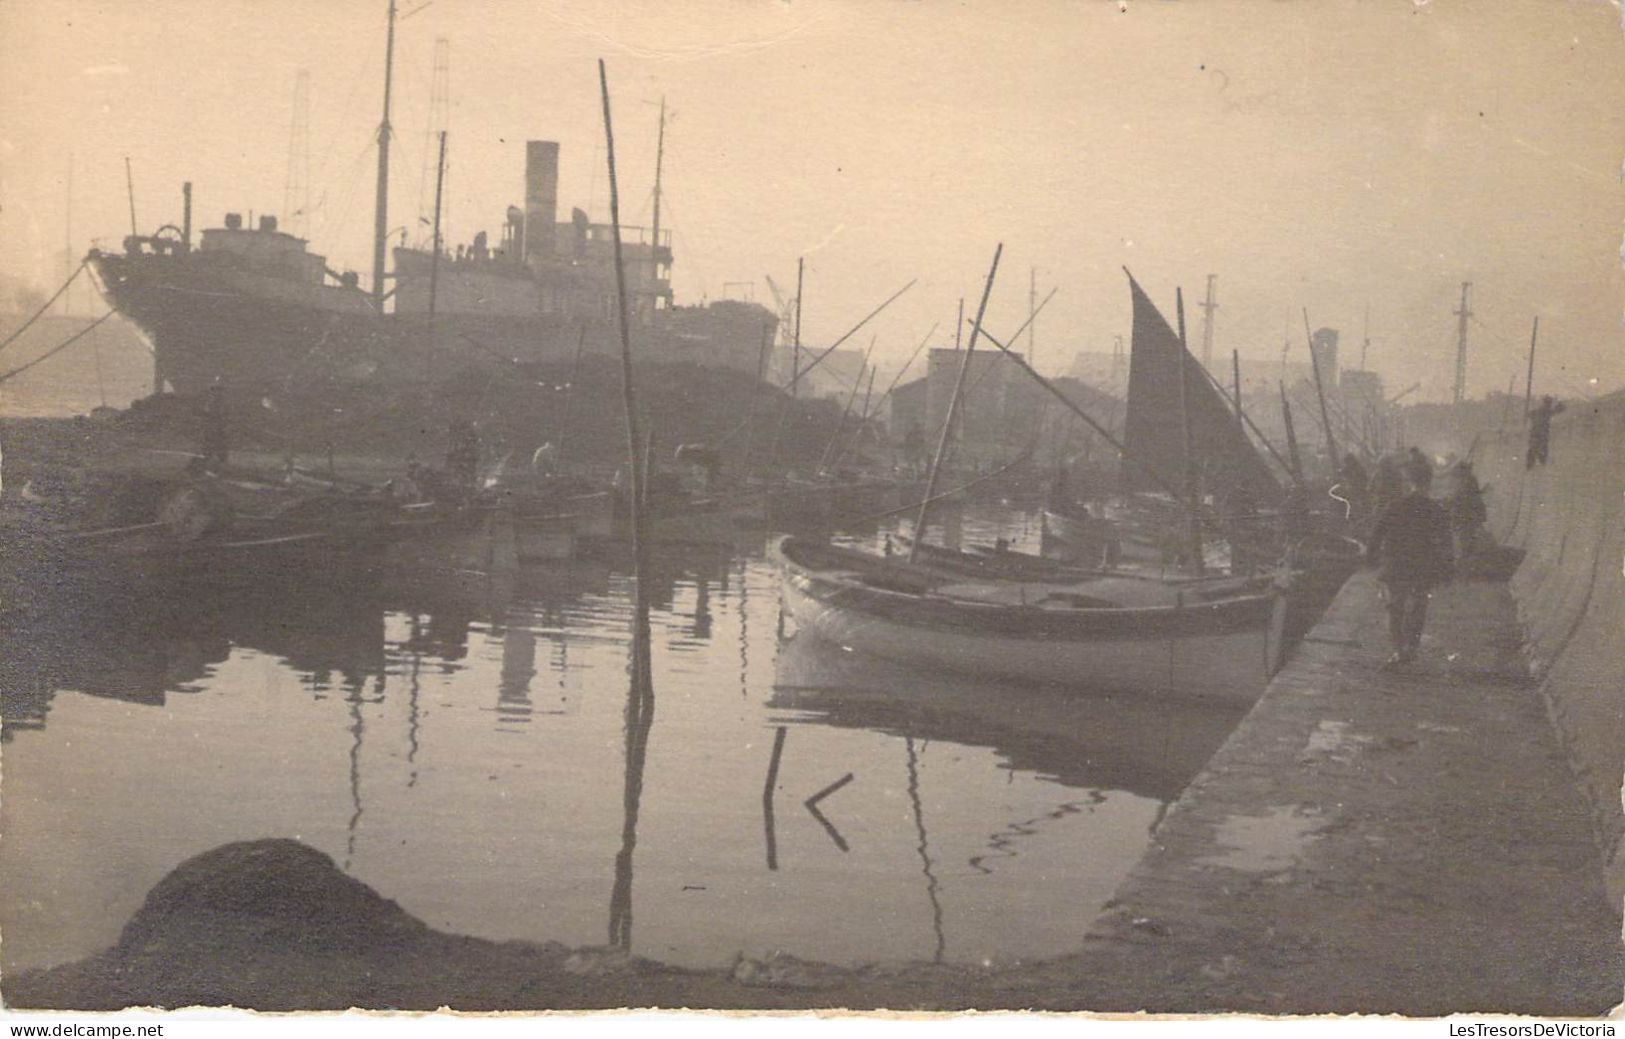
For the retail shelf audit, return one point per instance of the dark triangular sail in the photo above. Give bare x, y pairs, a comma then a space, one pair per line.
1223, 457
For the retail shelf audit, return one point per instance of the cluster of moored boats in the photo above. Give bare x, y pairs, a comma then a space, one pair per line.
1148, 592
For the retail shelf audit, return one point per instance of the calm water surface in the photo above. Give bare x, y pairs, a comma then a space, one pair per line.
466, 753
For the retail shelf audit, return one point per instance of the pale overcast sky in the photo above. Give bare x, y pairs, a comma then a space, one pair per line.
1321, 154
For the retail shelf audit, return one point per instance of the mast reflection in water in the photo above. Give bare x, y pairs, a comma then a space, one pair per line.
460, 750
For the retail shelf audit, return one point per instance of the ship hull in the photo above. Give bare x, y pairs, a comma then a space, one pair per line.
263, 336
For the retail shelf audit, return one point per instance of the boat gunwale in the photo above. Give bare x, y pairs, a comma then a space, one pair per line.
840, 589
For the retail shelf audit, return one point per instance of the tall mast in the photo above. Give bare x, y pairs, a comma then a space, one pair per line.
1032, 314
1197, 560
1529, 383
654, 244
795, 356
1461, 344
296, 186
1365, 341
953, 409
1208, 308
434, 260
380, 222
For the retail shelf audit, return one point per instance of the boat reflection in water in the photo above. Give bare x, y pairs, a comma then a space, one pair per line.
1129, 743
480, 756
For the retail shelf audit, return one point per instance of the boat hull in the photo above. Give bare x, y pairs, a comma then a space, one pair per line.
1209, 651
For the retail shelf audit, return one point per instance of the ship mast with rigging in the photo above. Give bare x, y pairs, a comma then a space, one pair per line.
380, 227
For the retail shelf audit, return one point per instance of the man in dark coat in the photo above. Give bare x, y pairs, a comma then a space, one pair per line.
1540, 431
1412, 546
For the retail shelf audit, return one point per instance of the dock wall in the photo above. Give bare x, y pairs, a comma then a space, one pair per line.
1568, 517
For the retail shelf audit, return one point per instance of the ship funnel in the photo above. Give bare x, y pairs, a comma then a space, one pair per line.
541, 196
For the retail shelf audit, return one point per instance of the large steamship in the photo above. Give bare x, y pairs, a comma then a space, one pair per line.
253, 308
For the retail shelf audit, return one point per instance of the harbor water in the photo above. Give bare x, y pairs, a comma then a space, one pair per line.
463, 748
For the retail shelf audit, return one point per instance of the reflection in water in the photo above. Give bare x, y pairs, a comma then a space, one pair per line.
1148, 747
767, 797
356, 730
925, 854
702, 606
744, 633
640, 711
829, 827
1005, 843
480, 793
414, 692
518, 668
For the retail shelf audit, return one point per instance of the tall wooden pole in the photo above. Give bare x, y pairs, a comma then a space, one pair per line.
795, 356
654, 232
634, 444
129, 188
1197, 561
1208, 308
380, 216
434, 259
953, 409
1291, 436
1529, 381
1235, 376
1032, 315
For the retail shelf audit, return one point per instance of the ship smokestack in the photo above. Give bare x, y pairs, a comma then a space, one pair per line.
541, 196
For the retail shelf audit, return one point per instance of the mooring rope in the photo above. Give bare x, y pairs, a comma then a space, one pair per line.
46, 306
56, 349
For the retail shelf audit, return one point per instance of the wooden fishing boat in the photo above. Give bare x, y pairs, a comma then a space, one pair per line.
1204, 639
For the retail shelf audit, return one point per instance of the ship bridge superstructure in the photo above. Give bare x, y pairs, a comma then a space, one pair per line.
541, 266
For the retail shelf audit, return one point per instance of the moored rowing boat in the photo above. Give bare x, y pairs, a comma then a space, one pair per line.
1195, 639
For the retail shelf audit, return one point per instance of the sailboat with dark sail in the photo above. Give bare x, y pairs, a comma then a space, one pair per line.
1178, 432
1096, 632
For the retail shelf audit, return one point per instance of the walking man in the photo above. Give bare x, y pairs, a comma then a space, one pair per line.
1412, 546
1540, 431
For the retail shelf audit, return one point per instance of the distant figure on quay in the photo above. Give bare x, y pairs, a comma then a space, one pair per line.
1540, 431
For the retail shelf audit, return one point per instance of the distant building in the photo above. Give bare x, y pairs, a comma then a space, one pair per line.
1105, 372
907, 404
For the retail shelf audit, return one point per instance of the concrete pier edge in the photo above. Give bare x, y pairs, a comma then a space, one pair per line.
1374, 841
